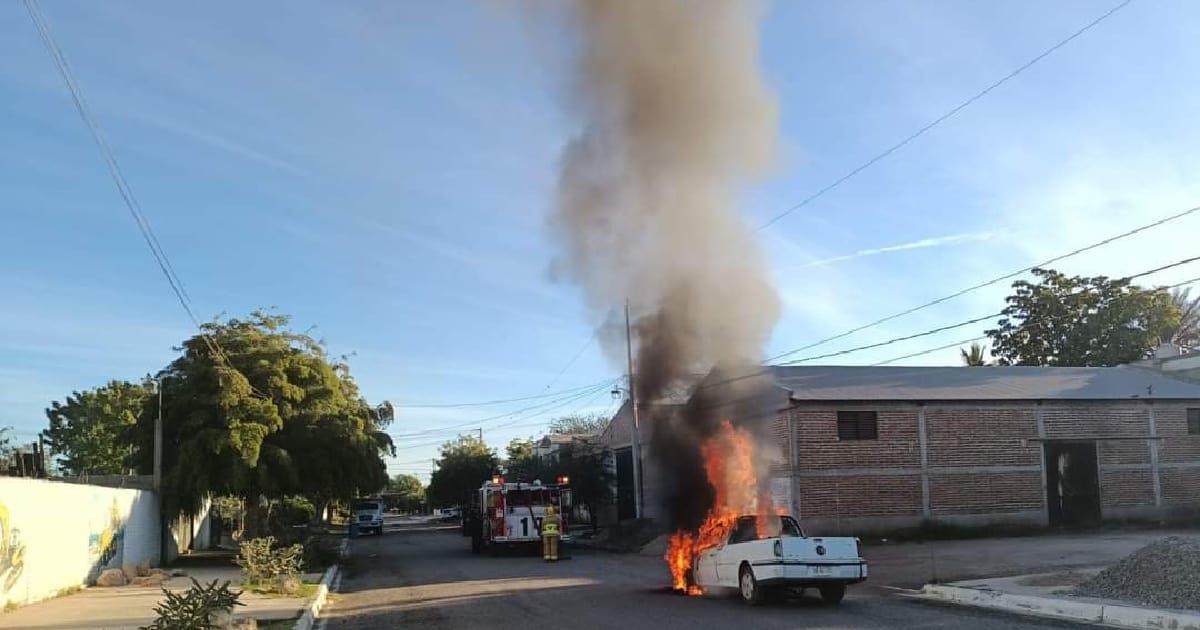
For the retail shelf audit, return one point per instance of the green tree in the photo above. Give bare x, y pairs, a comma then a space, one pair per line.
1081, 321
582, 462
974, 357
463, 466
88, 431
521, 462
5, 445
579, 424
409, 490
254, 410
1187, 332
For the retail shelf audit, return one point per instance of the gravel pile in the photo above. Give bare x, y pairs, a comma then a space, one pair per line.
1163, 574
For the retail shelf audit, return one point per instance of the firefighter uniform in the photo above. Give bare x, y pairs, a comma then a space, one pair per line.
550, 526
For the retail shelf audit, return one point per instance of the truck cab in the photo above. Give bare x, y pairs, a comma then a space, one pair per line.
367, 515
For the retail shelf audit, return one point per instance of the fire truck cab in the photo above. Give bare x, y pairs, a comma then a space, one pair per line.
504, 513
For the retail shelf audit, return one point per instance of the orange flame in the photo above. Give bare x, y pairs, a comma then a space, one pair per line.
729, 466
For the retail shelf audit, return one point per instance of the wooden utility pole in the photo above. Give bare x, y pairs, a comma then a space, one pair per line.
158, 440
637, 431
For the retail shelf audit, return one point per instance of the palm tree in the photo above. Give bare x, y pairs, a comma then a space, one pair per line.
973, 357
1187, 333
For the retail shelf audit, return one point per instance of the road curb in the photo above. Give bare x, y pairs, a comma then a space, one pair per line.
313, 611
1055, 608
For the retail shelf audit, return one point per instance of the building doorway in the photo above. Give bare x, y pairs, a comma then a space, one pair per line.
1072, 483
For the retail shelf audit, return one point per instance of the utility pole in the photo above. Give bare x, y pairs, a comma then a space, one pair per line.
637, 437
481, 435
158, 440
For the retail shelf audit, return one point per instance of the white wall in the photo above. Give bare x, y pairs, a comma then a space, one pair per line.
58, 535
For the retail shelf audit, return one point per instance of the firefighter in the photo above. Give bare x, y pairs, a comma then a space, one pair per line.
550, 525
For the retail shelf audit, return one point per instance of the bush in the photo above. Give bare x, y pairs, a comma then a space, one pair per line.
198, 608
266, 566
321, 551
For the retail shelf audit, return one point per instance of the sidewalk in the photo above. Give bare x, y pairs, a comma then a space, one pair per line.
128, 607
912, 565
1046, 595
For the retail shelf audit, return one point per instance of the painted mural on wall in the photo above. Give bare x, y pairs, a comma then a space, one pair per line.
106, 540
12, 551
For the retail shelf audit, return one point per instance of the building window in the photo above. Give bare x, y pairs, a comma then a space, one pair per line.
1193, 421
858, 425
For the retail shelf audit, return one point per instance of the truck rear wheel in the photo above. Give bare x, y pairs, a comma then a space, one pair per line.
833, 593
749, 588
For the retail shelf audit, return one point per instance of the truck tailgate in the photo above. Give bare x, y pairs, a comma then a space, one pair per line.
818, 550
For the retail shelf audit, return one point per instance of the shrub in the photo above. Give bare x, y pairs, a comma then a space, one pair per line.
320, 551
266, 566
198, 608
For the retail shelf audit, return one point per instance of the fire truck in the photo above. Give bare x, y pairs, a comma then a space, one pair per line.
503, 513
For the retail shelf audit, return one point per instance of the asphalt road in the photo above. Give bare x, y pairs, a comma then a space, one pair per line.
424, 577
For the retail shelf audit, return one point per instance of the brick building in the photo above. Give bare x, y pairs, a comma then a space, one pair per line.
879, 448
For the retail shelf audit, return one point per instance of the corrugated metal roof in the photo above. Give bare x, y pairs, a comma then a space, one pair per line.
979, 383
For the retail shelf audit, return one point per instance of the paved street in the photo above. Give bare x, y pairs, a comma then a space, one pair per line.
426, 577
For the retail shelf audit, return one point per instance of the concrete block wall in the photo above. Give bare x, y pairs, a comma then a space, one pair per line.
60, 535
981, 462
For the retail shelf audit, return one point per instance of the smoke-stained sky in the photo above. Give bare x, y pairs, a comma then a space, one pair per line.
388, 169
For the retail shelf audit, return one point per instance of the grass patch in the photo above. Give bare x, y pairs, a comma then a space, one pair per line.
306, 591
68, 590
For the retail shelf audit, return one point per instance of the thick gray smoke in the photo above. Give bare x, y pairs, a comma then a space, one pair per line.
677, 120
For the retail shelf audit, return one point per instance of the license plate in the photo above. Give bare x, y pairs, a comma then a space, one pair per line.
822, 570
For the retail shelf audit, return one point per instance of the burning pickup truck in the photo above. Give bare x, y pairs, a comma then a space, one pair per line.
763, 559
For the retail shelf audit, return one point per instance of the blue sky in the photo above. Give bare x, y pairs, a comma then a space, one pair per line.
384, 171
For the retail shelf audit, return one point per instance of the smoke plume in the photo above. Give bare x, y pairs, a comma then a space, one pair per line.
676, 121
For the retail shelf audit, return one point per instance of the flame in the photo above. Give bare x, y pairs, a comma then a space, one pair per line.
729, 466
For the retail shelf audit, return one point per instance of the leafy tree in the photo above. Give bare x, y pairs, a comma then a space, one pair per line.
579, 424
254, 410
88, 430
410, 491
974, 357
522, 463
1081, 321
583, 463
1187, 333
463, 466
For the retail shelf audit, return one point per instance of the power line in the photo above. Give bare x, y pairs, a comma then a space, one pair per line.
481, 421
940, 119
544, 407
578, 353
766, 369
986, 283
487, 403
945, 347
967, 322
123, 187
889, 342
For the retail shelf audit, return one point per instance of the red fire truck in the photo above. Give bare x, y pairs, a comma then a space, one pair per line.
504, 513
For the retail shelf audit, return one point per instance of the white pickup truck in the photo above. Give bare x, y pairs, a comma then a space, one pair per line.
763, 564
